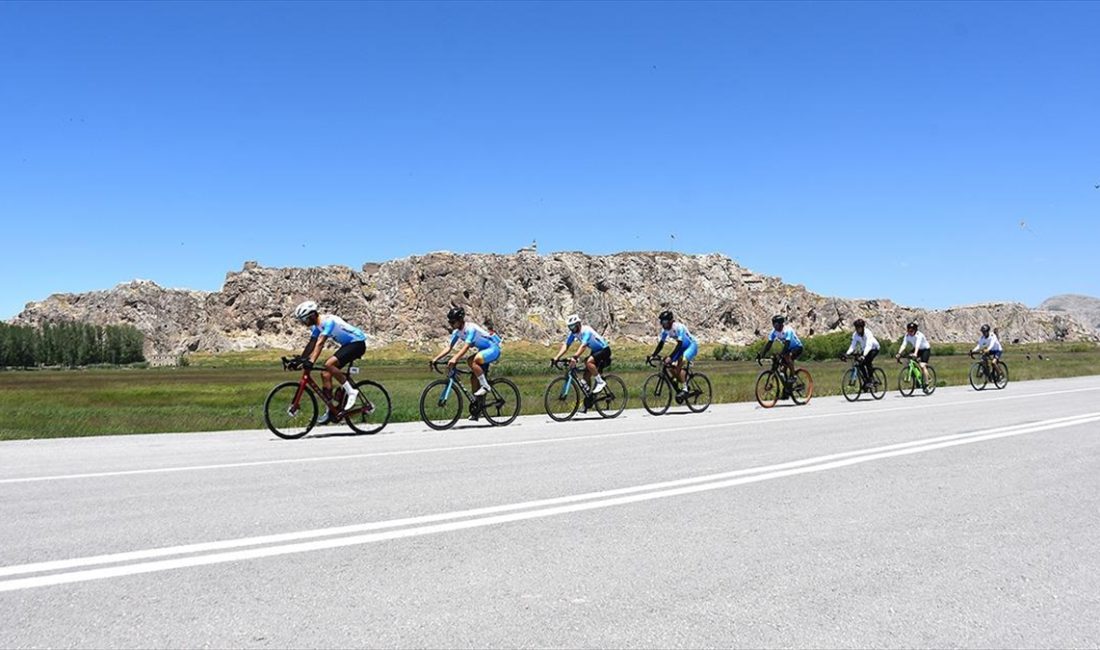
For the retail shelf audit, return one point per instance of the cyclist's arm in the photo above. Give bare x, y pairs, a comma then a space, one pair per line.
904, 344
764, 352
581, 351
564, 347
461, 352
977, 347
317, 343
657, 350
852, 347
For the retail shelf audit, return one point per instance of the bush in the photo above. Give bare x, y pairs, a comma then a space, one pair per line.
826, 346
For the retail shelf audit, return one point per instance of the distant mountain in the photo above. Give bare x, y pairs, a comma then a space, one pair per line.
525, 296
1085, 309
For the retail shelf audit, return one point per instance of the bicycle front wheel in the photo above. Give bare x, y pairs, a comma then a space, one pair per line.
907, 384
283, 417
878, 384
1000, 379
502, 403
932, 382
656, 394
561, 399
977, 376
371, 411
440, 405
611, 401
699, 392
851, 384
768, 388
802, 388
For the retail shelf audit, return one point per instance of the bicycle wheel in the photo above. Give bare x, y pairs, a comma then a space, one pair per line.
656, 394
906, 384
930, 385
283, 422
371, 411
802, 389
1000, 379
878, 383
851, 384
768, 388
977, 376
440, 405
502, 404
561, 399
611, 401
699, 392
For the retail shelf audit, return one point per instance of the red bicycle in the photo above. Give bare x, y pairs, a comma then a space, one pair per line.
291, 408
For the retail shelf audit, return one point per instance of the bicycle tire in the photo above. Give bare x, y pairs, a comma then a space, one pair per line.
437, 413
699, 392
611, 401
851, 384
373, 422
977, 376
933, 381
878, 377
499, 413
906, 385
1001, 380
802, 388
282, 396
656, 394
567, 403
768, 388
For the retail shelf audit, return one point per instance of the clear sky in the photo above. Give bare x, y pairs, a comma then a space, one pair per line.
864, 150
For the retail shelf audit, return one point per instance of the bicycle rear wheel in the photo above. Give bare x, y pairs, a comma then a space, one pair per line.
281, 417
1000, 379
699, 392
977, 376
768, 387
371, 411
561, 399
656, 394
802, 388
502, 404
906, 384
611, 401
930, 385
440, 405
851, 384
878, 383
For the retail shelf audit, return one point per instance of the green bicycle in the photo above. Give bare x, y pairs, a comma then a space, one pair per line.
910, 378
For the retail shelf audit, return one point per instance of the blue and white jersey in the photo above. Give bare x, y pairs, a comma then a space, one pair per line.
787, 336
337, 329
678, 331
587, 336
475, 335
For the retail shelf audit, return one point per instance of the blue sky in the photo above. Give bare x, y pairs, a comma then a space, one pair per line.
864, 149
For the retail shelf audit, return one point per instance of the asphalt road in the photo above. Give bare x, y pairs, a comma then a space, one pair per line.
960, 519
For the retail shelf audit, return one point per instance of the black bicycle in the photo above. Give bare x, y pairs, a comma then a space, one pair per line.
662, 387
441, 402
563, 394
986, 370
776, 383
853, 384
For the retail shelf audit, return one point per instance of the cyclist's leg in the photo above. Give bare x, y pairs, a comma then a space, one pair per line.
479, 363
590, 369
690, 353
868, 366
922, 358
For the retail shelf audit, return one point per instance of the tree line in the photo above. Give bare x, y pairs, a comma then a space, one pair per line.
69, 344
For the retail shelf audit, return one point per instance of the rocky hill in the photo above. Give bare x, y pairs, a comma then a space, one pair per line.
524, 296
1084, 309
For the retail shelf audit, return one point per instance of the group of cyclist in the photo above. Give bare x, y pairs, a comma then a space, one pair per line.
594, 350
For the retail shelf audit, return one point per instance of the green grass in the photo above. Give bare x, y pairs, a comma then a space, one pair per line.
227, 392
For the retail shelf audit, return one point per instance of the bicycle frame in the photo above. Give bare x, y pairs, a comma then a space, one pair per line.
308, 381
453, 380
914, 371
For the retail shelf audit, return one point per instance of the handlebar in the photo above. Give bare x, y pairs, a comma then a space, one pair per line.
653, 361
436, 366
296, 363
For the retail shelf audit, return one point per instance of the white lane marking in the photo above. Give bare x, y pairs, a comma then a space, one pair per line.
537, 441
489, 517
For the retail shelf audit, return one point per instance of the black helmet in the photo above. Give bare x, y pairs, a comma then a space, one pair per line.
779, 319
456, 313
665, 317
912, 325
859, 323
985, 329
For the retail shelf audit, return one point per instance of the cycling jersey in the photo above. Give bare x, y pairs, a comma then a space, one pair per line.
680, 332
337, 329
991, 342
918, 341
787, 336
475, 335
864, 343
587, 336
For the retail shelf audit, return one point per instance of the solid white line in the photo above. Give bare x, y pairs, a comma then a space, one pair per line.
417, 526
537, 441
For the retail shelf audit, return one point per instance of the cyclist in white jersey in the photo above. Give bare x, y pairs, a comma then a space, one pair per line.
989, 343
865, 343
471, 335
592, 342
352, 341
922, 349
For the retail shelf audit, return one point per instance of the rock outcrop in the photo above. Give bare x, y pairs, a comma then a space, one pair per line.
1084, 309
524, 296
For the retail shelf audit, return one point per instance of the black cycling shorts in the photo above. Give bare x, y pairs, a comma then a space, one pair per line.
602, 358
350, 352
924, 355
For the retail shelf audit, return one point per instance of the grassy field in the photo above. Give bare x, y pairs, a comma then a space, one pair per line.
227, 391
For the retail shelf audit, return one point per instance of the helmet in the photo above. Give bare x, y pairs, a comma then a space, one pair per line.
456, 313
303, 311
573, 321
859, 323
912, 326
666, 316
779, 319
985, 329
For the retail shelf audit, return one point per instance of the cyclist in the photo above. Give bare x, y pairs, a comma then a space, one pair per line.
922, 349
592, 342
353, 344
471, 335
865, 343
989, 344
792, 345
686, 347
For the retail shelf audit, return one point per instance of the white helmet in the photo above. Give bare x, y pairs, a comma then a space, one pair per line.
302, 311
573, 320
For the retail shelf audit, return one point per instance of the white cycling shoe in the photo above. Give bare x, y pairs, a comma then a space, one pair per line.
600, 385
481, 392
350, 402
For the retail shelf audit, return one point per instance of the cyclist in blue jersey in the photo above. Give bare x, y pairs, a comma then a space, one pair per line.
352, 342
792, 345
592, 342
686, 347
471, 335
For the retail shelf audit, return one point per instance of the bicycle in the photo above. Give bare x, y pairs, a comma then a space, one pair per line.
988, 369
441, 404
660, 389
563, 394
291, 411
776, 383
910, 378
852, 384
